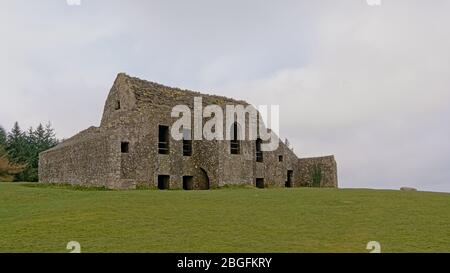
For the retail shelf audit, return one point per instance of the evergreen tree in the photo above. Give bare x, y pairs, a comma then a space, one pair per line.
40, 136
2, 141
30, 143
23, 150
31, 149
7, 169
2, 137
16, 145
49, 136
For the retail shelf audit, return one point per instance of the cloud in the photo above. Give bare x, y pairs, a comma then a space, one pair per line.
368, 84
375, 93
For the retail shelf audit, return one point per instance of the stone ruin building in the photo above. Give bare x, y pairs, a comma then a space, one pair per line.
133, 148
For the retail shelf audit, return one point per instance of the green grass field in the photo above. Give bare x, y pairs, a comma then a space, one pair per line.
45, 219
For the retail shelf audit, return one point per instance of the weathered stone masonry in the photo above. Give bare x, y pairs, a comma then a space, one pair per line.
124, 152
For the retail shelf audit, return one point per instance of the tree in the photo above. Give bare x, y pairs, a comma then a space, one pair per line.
49, 136
7, 169
40, 136
16, 145
2, 137
23, 149
31, 151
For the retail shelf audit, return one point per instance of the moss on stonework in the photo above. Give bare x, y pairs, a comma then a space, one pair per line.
146, 188
65, 187
236, 186
317, 176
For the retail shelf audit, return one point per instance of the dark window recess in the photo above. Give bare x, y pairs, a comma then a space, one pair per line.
163, 140
259, 153
280, 158
290, 174
187, 143
125, 147
118, 105
260, 183
163, 182
235, 144
188, 183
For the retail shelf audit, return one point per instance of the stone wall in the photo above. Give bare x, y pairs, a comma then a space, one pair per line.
317, 170
133, 112
89, 159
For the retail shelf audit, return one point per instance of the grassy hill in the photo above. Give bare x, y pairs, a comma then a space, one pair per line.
45, 219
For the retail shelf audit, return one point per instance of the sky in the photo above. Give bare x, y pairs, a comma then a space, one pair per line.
369, 84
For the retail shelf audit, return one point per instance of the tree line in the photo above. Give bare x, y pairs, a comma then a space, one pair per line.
19, 151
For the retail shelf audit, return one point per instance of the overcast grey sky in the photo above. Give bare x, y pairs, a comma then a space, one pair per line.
370, 84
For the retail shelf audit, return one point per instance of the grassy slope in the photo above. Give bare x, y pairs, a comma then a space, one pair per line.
237, 220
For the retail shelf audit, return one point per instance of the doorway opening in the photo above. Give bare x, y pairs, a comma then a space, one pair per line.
290, 174
260, 183
188, 183
203, 180
163, 182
